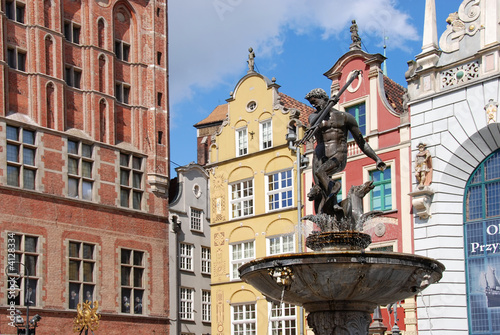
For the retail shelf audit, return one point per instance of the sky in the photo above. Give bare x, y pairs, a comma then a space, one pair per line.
295, 41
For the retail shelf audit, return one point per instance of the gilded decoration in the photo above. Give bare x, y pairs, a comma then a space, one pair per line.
87, 317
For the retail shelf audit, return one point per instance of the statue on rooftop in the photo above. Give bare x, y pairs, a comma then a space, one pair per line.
356, 40
251, 60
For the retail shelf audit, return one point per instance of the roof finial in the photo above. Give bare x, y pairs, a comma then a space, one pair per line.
251, 60
356, 40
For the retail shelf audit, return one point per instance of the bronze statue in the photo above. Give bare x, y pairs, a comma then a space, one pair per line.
330, 154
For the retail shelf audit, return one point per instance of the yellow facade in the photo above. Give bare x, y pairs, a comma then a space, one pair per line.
243, 213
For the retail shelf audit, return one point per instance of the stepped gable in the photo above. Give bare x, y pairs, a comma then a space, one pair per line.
305, 110
394, 94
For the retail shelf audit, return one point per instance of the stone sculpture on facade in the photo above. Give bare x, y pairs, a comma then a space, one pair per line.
356, 40
423, 166
251, 60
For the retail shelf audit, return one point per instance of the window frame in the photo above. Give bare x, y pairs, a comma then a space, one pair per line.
12, 11
73, 76
16, 58
206, 260
242, 204
82, 160
280, 244
354, 110
20, 165
237, 262
133, 289
81, 281
206, 306
241, 137
385, 204
186, 257
283, 318
196, 219
72, 32
252, 322
122, 50
288, 189
129, 188
122, 92
266, 134
186, 303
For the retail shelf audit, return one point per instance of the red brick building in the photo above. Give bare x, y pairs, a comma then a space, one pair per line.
84, 162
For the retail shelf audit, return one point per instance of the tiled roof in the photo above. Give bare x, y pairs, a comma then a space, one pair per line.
289, 102
394, 94
216, 116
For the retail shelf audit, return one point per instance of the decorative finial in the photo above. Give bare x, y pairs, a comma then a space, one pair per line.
251, 60
356, 40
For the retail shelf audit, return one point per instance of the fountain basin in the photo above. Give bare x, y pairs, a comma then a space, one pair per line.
342, 280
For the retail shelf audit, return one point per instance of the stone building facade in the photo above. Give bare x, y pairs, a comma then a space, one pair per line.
84, 152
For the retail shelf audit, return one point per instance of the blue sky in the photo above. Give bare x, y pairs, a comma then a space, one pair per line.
295, 41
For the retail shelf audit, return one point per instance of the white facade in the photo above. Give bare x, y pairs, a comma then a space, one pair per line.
450, 89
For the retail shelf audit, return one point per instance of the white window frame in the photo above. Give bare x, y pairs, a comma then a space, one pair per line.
241, 136
186, 301
248, 325
283, 318
206, 261
288, 190
196, 219
206, 306
282, 243
266, 134
241, 203
246, 252
186, 256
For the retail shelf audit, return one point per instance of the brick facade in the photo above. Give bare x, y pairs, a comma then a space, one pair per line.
84, 161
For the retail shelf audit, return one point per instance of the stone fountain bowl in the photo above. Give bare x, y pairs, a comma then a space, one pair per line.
341, 280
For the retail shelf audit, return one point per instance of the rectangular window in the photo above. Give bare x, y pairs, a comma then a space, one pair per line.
244, 320
72, 32
359, 112
122, 50
206, 265
279, 190
73, 76
206, 306
266, 134
196, 219
186, 256
283, 319
381, 195
281, 244
26, 251
131, 183
21, 156
81, 277
122, 93
241, 142
15, 10
80, 167
186, 303
132, 286
240, 254
241, 199
16, 59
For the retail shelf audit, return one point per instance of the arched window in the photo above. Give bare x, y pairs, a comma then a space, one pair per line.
48, 55
482, 246
47, 13
50, 106
123, 33
102, 120
102, 73
100, 33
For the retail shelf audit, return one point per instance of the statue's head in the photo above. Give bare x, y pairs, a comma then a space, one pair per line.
318, 93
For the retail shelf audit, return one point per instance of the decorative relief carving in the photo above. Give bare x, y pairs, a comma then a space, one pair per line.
219, 311
421, 202
460, 74
491, 109
461, 23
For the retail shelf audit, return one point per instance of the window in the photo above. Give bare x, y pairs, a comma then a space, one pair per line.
241, 142
206, 306
359, 112
244, 320
241, 199
72, 32
21, 153
266, 134
16, 59
282, 319
122, 93
186, 256
80, 164
279, 190
281, 244
26, 252
482, 235
339, 193
132, 286
240, 254
206, 265
131, 183
15, 10
381, 195
122, 50
196, 219
81, 273
73, 76
186, 303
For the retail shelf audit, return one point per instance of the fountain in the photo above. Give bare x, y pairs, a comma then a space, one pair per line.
340, 283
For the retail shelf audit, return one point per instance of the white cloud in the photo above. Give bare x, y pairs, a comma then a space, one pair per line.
209, 39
